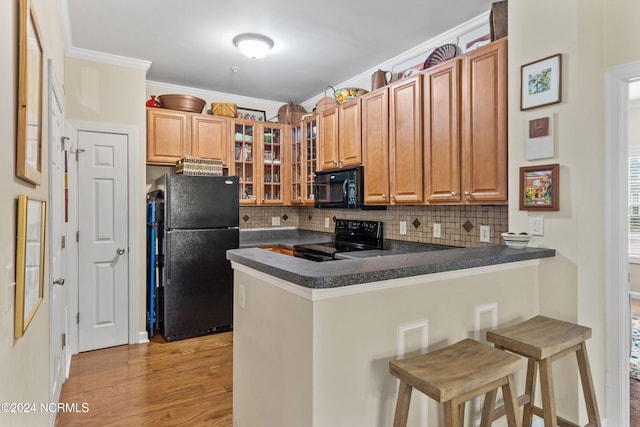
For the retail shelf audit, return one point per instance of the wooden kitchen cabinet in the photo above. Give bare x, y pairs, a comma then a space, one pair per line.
375, 147
168, 136
484, 124
274, 157
245, 152
441, 102
304, 160
172, 135
405, 141
210, 137
465, 128
341, 142
392, 144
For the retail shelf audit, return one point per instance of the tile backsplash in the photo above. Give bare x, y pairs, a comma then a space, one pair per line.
459, 225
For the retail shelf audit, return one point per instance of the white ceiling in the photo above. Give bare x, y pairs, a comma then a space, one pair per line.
317, 43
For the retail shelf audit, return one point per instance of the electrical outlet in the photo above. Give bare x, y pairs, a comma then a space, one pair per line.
436, 231
326, 222
403, 227
275, 221
536, 226
242, 296
485, 233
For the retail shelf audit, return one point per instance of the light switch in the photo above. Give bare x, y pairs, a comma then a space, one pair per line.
275, 221
403, 227
436, 231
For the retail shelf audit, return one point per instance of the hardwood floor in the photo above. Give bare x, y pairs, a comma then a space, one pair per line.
182, 383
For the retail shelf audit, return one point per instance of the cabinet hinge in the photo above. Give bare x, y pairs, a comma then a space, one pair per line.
64, 340
77, 236
63, 242
78, 318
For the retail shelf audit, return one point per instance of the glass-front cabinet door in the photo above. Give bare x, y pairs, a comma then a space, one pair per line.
244, 154
273, 154
303, 161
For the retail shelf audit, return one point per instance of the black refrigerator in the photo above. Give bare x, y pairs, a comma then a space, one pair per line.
197, 222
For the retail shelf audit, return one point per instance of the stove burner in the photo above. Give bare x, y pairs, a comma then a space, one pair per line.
350, 235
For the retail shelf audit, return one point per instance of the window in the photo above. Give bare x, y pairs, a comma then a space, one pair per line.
634, 201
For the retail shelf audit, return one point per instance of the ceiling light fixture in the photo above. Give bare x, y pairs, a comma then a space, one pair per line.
253, 45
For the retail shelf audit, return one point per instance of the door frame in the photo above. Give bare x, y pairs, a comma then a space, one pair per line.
56, 97
135, 226
617, 309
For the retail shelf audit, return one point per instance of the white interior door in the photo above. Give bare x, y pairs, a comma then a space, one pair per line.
103, 238
57, 242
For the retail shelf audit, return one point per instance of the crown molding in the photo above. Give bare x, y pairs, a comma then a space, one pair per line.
107, 58
209, 94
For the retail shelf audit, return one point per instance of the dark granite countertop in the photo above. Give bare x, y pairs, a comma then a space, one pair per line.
388, 264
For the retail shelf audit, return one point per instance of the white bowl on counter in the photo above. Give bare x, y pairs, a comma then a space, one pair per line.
516, 241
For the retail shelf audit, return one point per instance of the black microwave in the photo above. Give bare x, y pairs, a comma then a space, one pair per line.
340, 189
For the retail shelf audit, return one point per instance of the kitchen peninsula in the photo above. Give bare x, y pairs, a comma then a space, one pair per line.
312, 341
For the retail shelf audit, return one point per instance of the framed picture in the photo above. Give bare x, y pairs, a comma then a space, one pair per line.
539, 187
540, 82
29, 142
249, 114
539, 137
30, 247
474, 39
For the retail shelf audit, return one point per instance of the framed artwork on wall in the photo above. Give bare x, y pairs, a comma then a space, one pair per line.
539, 188
250, 114
540, 82
30, 250
29, 142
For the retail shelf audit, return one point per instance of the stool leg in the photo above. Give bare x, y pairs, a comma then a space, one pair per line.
402, 405
548, 397
587, 385
453, 414
487, 409
530, 389
511, 402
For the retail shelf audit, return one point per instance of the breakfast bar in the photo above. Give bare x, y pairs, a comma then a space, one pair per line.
312, 340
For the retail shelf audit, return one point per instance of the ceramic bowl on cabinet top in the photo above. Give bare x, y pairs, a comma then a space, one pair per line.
516, 241
349, 93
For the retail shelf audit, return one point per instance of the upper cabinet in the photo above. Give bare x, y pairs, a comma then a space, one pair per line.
442, 132
340, 138
274, 150
392, 144
168, 136
465, 128
484, 124
405, 141
304, 160
173, 135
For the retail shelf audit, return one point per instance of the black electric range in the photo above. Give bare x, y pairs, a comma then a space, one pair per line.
350, 235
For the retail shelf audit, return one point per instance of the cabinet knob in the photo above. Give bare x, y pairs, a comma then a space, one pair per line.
453, 193
384, 196
335, 163
391, 196
466, 193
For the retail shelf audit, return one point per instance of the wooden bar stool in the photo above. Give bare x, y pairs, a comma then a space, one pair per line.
543, 340
454, 375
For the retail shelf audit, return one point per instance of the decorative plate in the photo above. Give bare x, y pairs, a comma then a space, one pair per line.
441, 54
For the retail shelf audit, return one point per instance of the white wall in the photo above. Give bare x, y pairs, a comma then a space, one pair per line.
24, 363
591, 36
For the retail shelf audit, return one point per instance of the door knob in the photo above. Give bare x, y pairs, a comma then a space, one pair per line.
120, 251
59, 281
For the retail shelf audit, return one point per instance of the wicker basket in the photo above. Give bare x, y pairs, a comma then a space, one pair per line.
223, 109
199, 167
291, 113
327, 102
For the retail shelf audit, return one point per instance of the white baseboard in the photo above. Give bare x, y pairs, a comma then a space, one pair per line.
143, 337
